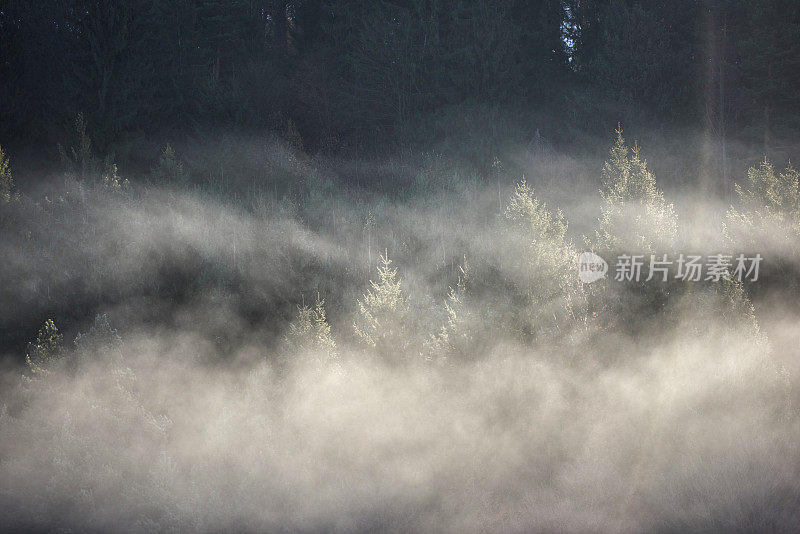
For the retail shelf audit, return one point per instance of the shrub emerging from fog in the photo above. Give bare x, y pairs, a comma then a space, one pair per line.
78, 161
310, 333
101, 341
454, 337
47, 348
84, 425
112, 181
6, 182
525, 210
725, 300
170, 170
770, 208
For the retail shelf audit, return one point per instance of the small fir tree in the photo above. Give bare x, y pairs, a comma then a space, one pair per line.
170, 170
383, 313
453, 337
79, 162
770, 206
545, 267
46, 349
635, 215
6, 181
311, 333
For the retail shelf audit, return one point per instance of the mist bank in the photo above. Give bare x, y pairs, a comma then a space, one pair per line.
223, 354
688, 434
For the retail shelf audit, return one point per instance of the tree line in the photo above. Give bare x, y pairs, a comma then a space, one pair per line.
324, 71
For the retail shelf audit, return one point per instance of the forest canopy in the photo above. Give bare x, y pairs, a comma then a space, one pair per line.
334, 73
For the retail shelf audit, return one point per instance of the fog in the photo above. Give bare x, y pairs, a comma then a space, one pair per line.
490, 390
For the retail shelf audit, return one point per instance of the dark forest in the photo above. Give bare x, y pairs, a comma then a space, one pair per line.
399, 266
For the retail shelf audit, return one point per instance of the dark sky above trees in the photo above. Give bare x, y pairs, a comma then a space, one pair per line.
365, 69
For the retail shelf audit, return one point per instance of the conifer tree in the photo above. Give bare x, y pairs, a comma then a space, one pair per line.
170, 170
545, 266
6, 182
310, 333
46, 349
101, 341
634, 213
769, 208
453, 337
635, 220
79, 161
383, 314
